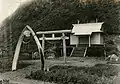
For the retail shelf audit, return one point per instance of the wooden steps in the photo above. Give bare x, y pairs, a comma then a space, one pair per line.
79, 51
94, 50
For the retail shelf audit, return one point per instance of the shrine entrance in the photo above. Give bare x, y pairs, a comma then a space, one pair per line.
27, 32
54, 37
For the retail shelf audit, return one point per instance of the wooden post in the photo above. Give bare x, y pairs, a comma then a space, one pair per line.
64, 46
89, 41
53, 35
43, 42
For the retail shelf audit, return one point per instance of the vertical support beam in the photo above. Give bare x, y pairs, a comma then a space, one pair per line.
53, 35
89, 41
43, 42
64, 47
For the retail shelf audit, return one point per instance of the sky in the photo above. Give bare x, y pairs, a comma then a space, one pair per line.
7, 7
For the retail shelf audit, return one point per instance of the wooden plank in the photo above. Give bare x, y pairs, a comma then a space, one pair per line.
72, 51
85, 51
64, 47
89, 41
43, 42
56, 38
51, 32
53, 35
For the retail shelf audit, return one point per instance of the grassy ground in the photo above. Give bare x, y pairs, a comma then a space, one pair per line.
25, 67
88, 70
98, 74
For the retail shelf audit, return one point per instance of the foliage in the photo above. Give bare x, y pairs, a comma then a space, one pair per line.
110, 45
44, 15
94, 50
98, 74
61, 14
5, 65
111, 25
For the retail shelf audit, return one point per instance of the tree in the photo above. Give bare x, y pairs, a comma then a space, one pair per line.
44, 15
112, 23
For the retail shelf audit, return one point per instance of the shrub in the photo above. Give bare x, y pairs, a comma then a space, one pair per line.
110, 44
98, 74
5, 65
95, 51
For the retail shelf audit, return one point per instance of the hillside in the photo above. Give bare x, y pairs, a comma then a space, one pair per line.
44, 15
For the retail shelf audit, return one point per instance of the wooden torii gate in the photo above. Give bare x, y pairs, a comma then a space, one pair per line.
63, 37
17, 50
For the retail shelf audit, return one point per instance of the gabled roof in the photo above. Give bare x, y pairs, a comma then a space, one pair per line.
86, 29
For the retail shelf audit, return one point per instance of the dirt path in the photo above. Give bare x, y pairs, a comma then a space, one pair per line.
19, 75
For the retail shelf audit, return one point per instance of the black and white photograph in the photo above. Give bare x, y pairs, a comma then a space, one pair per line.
59, 41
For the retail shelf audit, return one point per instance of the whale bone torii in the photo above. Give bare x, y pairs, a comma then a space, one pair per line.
17, 50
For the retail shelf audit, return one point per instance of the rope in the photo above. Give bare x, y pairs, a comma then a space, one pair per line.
26, 42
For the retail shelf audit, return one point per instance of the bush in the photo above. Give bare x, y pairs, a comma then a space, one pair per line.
5, 65
95, 51
110, 44
76, 75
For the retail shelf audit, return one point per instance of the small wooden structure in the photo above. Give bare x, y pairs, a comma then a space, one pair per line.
53, 37
87, 34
